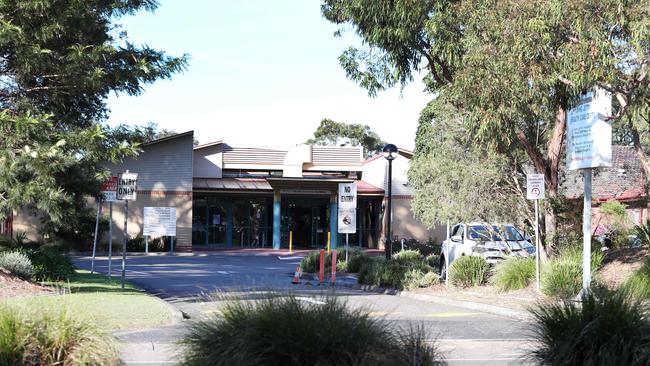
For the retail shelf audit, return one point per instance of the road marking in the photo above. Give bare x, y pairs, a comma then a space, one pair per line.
289, 258
450, 315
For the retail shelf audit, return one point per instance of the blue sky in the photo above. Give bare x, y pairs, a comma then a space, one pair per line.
260, 73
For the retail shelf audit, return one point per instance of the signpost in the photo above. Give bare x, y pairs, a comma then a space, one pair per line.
535, 191
589, 145
159, 221
347, 212
126, 190
109, 194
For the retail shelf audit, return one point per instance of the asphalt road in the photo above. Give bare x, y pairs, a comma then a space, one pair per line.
190, 282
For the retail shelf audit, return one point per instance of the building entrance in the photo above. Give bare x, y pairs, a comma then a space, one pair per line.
307, 219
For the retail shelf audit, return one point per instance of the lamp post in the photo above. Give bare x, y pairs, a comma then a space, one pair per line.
390, 153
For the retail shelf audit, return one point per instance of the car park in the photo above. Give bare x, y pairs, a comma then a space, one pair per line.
492, 242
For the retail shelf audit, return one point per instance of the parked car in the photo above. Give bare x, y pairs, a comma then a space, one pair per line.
493, 242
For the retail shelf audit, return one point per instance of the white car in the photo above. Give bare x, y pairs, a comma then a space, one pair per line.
492, 242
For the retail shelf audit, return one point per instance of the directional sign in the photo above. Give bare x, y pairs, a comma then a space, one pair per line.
127, 184
589, 136
159, 221
535, 186
108, 190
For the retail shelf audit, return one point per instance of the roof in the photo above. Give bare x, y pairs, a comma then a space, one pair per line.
238, 184
405, 153
364, 187
168, 138
623, 181
208, 144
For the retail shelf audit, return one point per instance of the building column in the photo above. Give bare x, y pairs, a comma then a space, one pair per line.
276, 220
334, 220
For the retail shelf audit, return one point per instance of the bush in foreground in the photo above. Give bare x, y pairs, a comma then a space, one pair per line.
514, 273
287, 331
469, 271
606, 329
638, 284
18, 264
562, 276
52, 339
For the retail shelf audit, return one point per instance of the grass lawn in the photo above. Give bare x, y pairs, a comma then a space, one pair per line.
100, 299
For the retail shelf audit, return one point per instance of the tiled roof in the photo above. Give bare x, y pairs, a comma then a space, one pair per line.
364, 187
623, 181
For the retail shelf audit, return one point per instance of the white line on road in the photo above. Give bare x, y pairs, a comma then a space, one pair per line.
289, 258
310, 300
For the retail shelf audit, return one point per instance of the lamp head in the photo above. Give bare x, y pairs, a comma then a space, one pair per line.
389, 151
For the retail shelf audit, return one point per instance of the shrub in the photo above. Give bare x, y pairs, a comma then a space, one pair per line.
408, 256
383, 273
310, 263
357, 261
514, 273
643, 233
415, 278
562, 276
468, 271
433, 260
638, 284
18, 264
138, 244
605, 329
287, 331
50, 265
48, 338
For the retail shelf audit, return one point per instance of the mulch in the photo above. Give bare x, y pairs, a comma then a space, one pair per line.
14, 286
619, 264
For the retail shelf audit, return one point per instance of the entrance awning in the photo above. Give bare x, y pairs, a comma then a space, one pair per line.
232, 184
307, 184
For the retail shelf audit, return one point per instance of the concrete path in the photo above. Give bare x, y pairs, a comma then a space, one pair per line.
190, 282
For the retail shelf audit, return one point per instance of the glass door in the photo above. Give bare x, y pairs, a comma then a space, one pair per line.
217, 222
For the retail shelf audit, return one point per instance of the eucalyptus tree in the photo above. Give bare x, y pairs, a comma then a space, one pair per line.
59, 60
512, 68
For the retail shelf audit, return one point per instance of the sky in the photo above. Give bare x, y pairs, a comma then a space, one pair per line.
260, 73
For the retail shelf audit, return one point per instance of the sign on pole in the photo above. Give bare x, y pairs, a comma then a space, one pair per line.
347, 210
535, 186
108, 190
127, 185
589, 136
159, 221
535, 191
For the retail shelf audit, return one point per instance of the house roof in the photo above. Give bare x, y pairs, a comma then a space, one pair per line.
208, 144
364, 187
168, 138
623, 181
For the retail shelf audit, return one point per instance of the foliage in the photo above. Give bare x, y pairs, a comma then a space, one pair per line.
61, 60
606, 328
562, 275
138, 244
416, 278
288, 331
334, 133
433, 260
18, 264
405, 270
311, 262
514, 273
456, 179
407, 257
541, 56
638, 284
50, 264
52, 338
643, 233
468, 271
356, 262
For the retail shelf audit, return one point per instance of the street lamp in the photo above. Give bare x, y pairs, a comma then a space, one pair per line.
390, 153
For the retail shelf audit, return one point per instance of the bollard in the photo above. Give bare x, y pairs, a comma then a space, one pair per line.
321, 276
290, 242
333, 267
328, 242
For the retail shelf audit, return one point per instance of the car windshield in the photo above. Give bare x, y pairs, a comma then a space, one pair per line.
485, 233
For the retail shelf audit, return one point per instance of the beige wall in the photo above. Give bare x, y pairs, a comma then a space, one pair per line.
406, 225
182, 202
27, 222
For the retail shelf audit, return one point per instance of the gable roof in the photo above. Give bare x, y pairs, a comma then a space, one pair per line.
623, 181
168, 138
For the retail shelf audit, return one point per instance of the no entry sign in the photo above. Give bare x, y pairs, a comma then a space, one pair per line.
535, 186
127, 185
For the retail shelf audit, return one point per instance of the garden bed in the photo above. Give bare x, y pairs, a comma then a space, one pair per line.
14, 286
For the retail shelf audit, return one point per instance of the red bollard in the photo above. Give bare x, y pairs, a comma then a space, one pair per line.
333, 267
321, 276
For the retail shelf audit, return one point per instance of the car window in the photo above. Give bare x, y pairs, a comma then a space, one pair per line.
458, 230
482, 232
512, 234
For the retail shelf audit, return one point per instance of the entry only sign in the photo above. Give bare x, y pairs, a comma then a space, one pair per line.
159, 221
108, 190
127, 184
535, 186
347, 209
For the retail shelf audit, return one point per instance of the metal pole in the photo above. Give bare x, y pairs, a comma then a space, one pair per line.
172, 244
126, 238
447, 257
586, 232
146, 244
389, 243
537, 246
99, 210
110, 236
347, 246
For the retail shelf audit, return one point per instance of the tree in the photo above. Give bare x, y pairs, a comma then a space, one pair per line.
59, 60
514, 68
334, 133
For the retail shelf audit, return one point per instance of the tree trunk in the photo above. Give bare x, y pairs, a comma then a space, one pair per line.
643, 158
